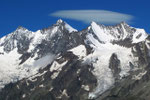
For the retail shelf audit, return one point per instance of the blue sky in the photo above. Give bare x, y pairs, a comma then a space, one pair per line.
38, 14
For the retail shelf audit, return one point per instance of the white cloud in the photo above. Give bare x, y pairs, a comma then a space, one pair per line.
99, 16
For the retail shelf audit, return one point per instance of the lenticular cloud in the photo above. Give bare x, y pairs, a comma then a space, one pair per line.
100, 16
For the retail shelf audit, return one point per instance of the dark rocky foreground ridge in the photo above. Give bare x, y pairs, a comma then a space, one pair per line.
79, 71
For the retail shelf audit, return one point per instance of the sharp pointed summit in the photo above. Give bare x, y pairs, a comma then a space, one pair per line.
59, 21
21, 28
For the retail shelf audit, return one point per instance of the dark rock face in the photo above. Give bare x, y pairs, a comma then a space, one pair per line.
114, 65
126, 42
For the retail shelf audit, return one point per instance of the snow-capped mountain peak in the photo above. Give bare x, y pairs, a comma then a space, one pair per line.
60, 22
101, 33
29, 48
21, 28
124, 23
119, 32
70, 64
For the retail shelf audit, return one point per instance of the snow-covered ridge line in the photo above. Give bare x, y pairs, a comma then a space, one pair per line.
118, 32
21, 29
35, 49
71, 29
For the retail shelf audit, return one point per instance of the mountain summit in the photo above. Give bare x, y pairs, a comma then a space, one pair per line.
60, 63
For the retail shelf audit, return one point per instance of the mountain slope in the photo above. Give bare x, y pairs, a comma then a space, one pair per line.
60, 63
23, 52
